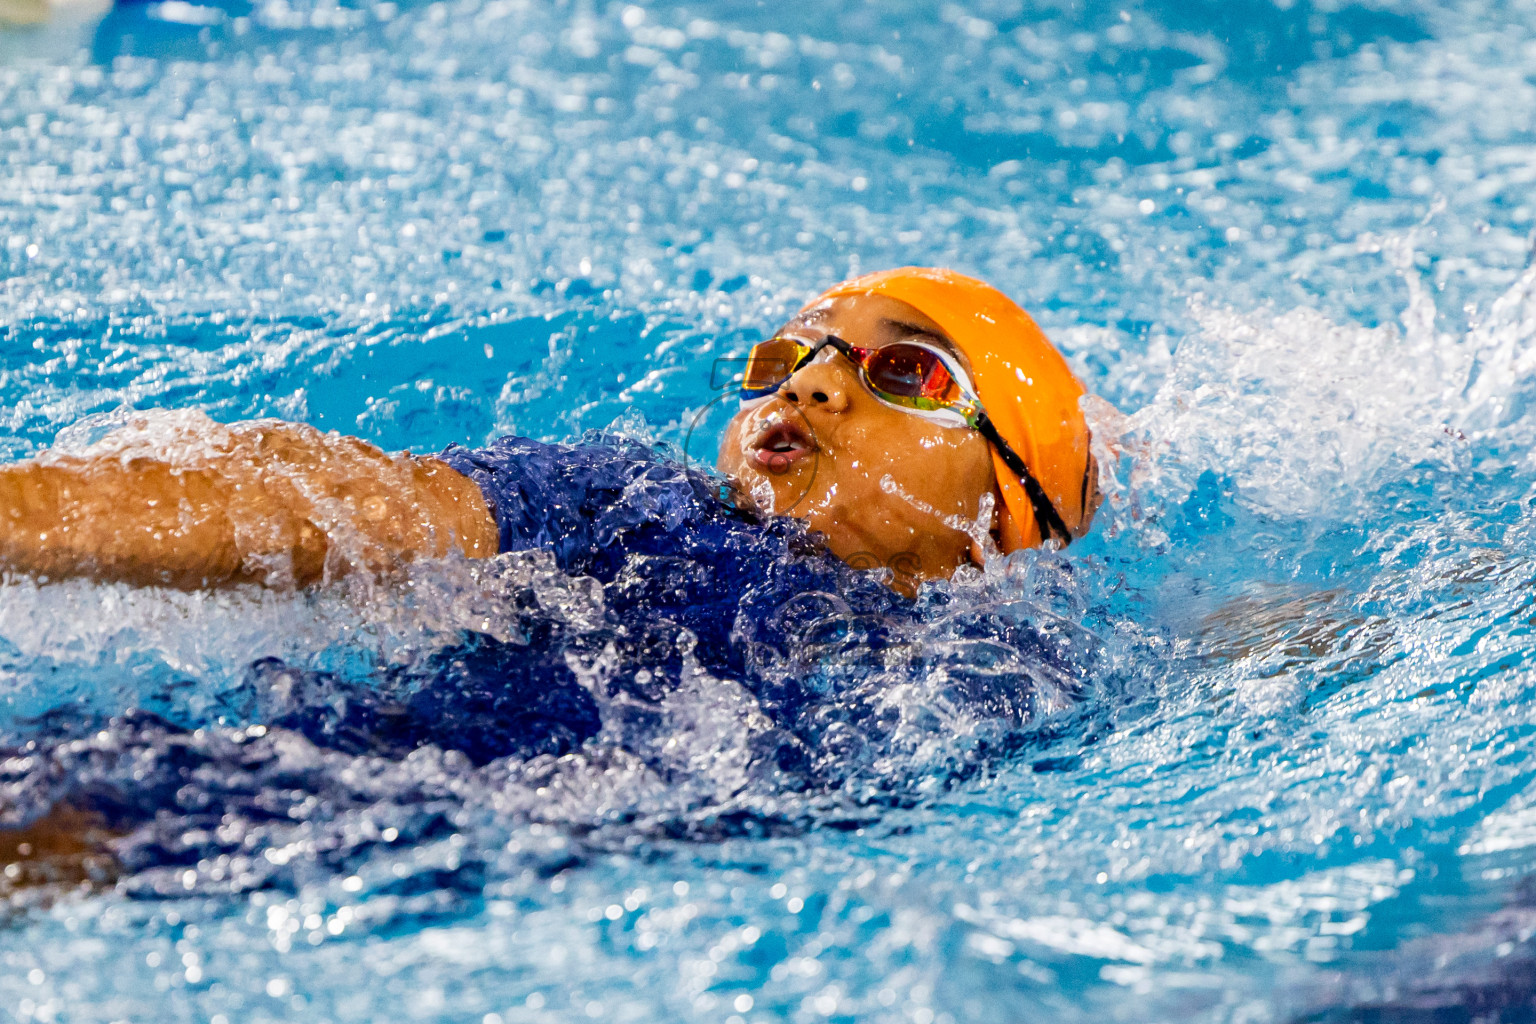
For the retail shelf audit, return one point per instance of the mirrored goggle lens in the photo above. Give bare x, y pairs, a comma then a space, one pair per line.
914, 374
769, 364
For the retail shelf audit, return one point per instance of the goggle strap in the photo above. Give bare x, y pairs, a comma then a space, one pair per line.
1046, 516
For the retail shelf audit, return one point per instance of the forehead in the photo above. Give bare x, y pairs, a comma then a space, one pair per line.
872, 319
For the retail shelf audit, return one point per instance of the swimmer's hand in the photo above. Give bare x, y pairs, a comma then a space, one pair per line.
198, 504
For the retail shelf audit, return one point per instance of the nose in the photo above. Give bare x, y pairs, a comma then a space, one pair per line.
822, 383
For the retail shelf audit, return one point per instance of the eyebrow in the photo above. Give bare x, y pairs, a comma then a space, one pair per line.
926, 332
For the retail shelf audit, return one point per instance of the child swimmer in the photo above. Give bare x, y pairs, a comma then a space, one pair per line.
914, 418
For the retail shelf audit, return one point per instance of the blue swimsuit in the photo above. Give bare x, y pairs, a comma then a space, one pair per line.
687, 580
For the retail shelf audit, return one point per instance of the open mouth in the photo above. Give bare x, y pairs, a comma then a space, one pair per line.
779, 445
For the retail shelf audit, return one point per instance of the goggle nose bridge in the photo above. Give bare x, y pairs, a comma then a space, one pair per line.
854, 354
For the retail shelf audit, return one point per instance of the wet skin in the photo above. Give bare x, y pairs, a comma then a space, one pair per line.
280, 504
884, 486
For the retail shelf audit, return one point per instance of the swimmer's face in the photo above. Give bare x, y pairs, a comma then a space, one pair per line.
885, 486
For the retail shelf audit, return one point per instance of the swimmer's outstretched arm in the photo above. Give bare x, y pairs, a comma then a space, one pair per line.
266, 502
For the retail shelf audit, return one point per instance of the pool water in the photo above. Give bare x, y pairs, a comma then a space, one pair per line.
1288, 241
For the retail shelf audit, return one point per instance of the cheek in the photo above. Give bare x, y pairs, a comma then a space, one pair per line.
730, 445
945, 469
732, 456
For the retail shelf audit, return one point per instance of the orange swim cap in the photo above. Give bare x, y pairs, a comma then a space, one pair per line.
1024, 384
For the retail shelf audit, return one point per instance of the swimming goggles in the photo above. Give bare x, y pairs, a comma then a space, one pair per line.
910, 375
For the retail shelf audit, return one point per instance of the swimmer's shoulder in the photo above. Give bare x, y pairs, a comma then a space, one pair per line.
586, 494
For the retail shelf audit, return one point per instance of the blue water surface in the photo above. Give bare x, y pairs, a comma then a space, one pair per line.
1274, 760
